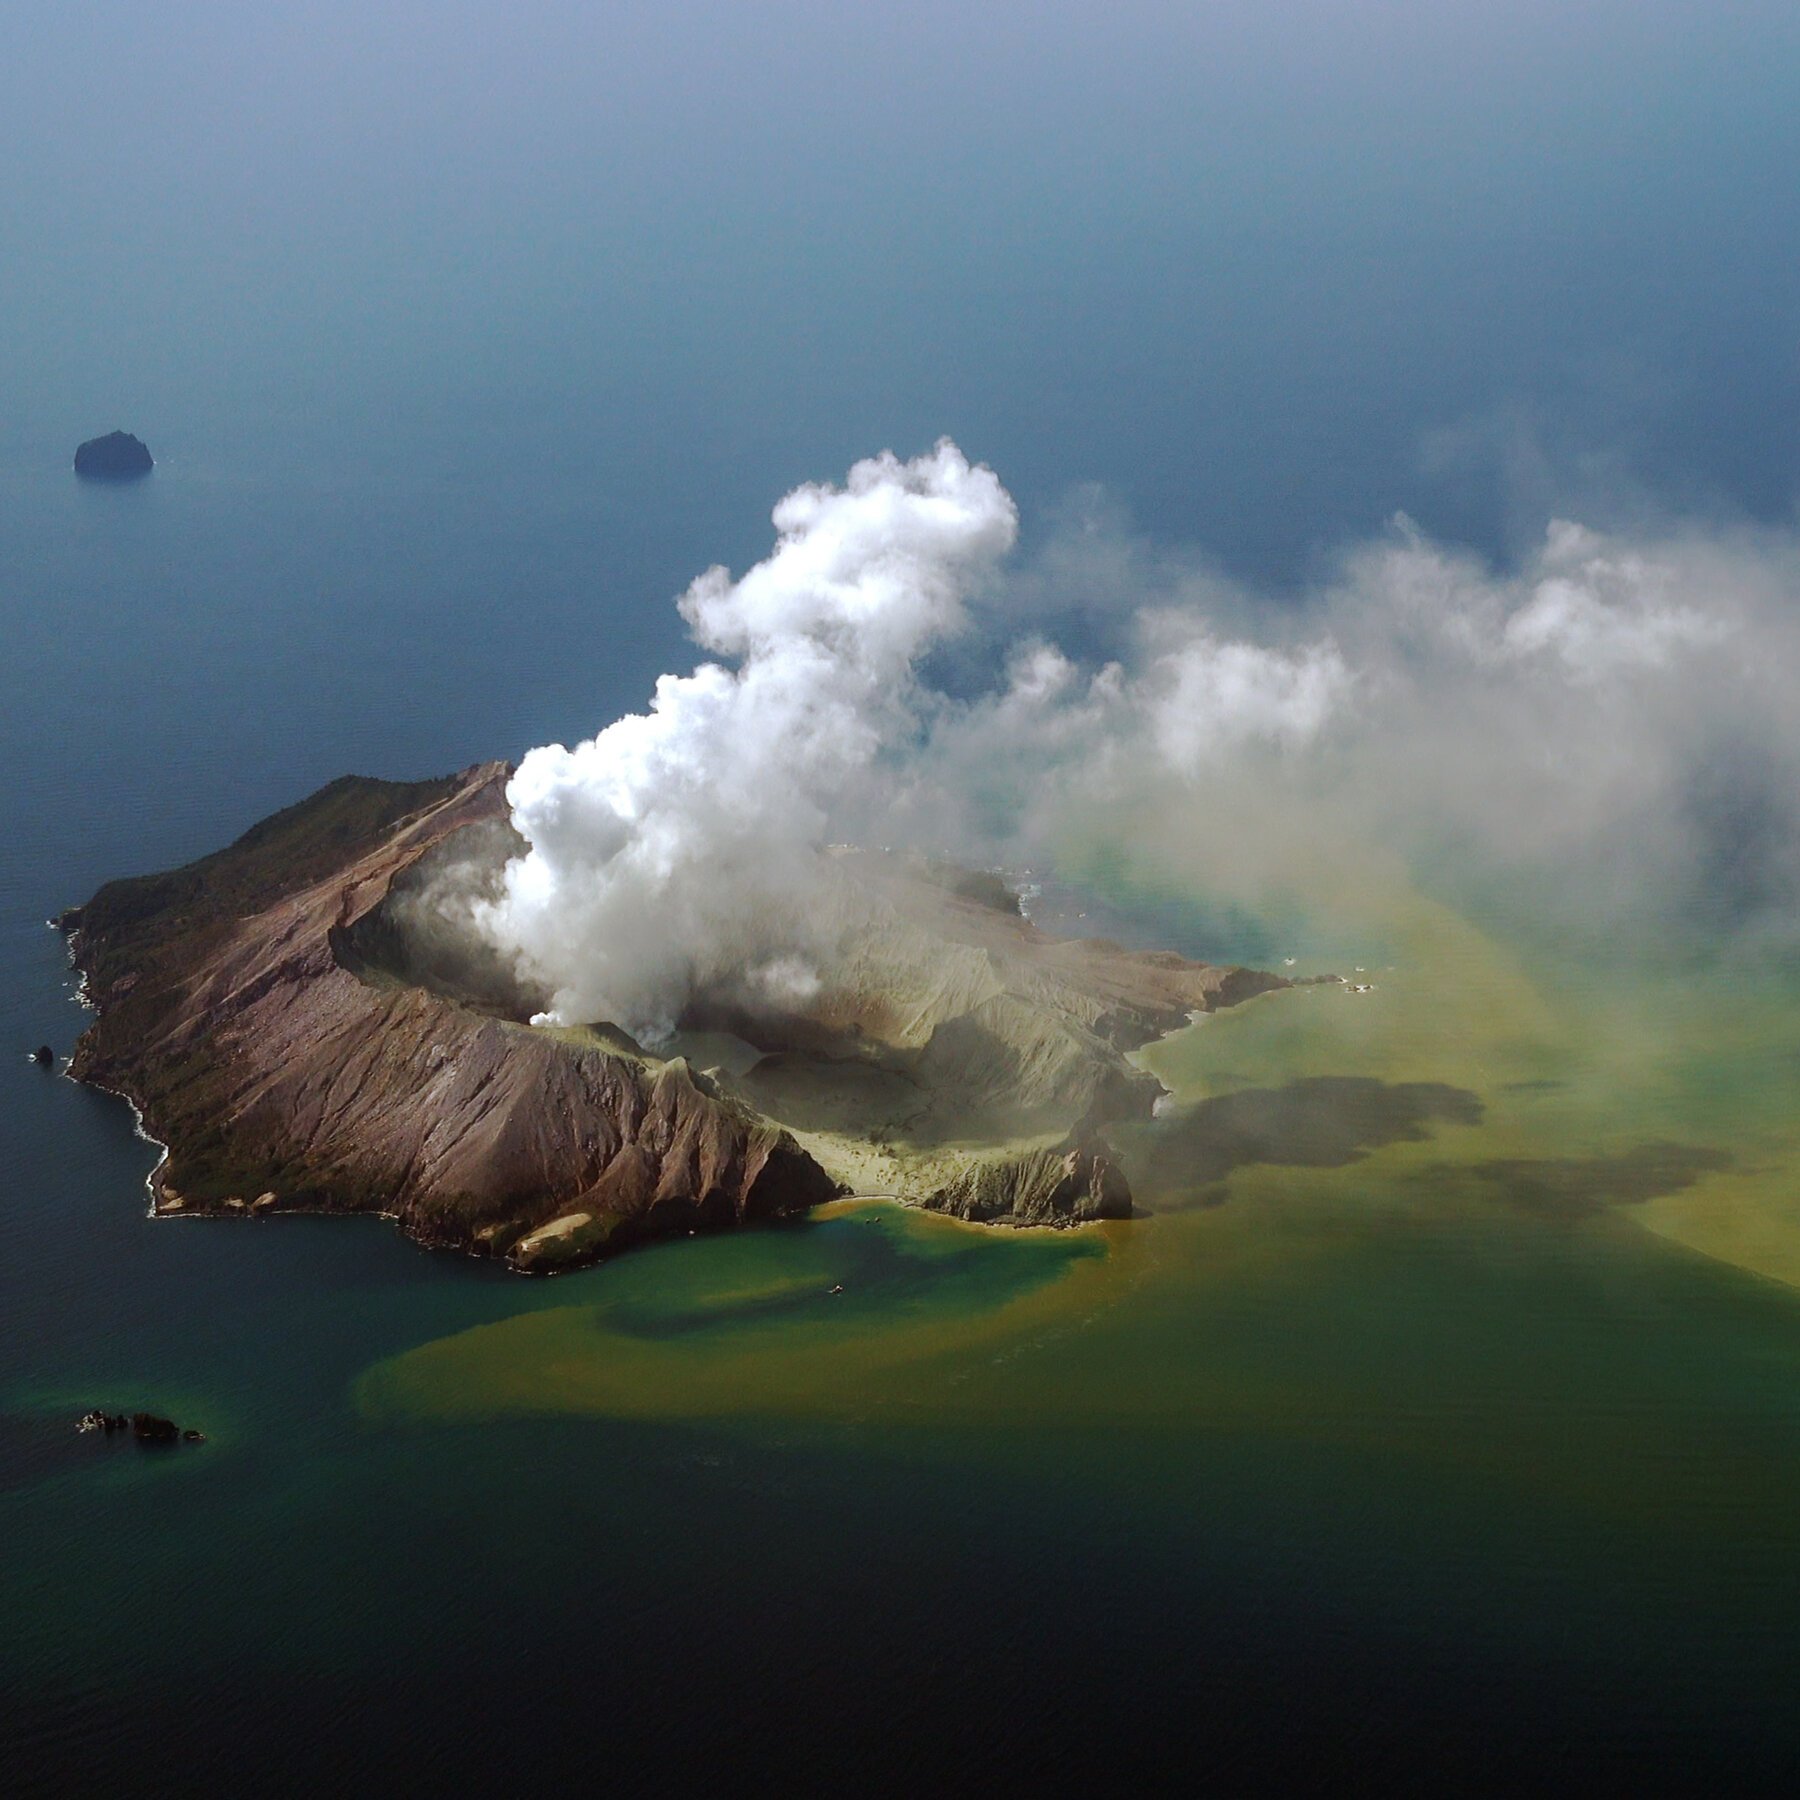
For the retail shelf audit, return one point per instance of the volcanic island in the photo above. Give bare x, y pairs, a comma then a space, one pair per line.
297, 1043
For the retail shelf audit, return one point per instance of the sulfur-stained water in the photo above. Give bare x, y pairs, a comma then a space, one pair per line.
1435, 1428
1438, 1423
1453, 1089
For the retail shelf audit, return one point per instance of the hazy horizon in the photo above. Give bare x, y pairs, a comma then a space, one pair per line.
1265, 275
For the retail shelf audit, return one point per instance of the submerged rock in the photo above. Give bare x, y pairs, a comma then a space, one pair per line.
147, 1428
116, 457
43, 1056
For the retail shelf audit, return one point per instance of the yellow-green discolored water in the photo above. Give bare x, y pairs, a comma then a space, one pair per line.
1446, 1221
1441, 1411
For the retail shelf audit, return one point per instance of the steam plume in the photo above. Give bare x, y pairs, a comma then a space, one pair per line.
675, 849
1617, 722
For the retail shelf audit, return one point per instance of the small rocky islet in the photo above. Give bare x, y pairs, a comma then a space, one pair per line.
145, 1427
118, 456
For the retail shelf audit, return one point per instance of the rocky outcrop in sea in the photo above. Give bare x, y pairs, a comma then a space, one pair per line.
116, 457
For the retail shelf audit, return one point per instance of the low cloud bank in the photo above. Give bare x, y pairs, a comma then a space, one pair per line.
1618, 718
1616, 722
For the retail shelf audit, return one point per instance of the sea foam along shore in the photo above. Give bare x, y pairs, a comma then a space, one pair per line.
84, 1001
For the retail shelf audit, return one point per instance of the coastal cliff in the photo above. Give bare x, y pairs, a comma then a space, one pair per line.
282, 1076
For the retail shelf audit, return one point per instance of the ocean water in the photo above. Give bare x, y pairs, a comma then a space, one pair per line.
1422, 1437
1436, 1429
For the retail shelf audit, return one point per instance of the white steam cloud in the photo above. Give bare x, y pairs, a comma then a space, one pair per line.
675, 851
1618, 720
1626, 714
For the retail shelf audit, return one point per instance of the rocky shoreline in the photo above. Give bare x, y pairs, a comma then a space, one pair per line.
283, 1077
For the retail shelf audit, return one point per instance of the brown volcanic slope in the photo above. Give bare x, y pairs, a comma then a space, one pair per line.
282, 1078
278, 1029
960, 1057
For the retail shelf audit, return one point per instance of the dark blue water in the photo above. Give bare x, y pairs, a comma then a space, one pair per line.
1267, 275
312, 1599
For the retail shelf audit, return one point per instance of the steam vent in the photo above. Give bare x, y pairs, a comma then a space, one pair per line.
116, 457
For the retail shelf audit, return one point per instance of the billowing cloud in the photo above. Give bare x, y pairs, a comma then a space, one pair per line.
675, 849
1619, 719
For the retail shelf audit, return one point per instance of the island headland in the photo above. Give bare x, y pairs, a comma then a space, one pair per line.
116, 457
295, 1024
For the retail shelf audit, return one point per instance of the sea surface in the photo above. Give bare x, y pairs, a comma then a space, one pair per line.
1437, 1430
